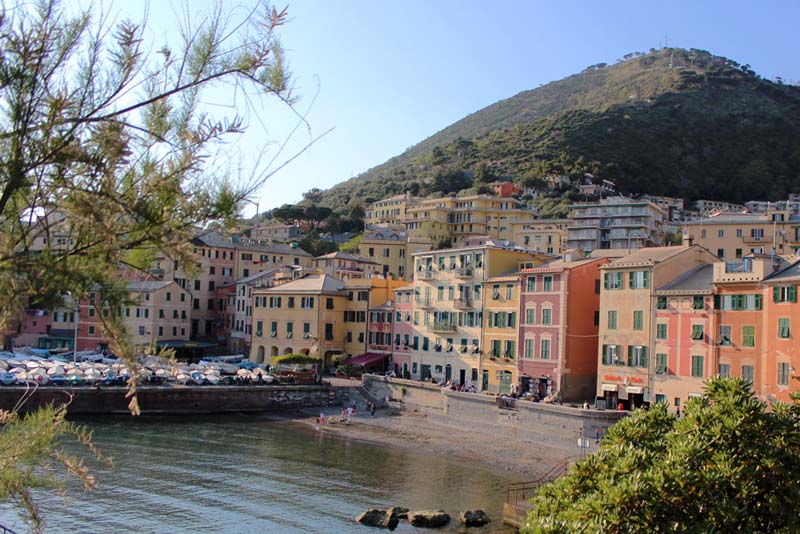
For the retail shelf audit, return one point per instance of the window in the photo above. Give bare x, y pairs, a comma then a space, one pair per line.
290, 302
328, 304
697, 332
141, 331
720, 233
661, 399
749, 336
698, 362
724, 335
289, 329
661, 331
783, 328
530, 316
738, 253
737, 302
698, 303
661, 303
724, 370
509, 291
528, 348
545, 349
91, 330
721, 253
637, 356
738, 232
612, 280
784, 294
168, 296
547, 316
612, 319
259, 328
612, 355
783, 374
531, 284
639, 279
638, 320
748, 372
547, 283
496, 291
596, 318
661, 364
329, 331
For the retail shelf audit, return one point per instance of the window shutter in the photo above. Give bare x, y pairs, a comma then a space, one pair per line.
646, 279
605, 280
511, 319
644, 357
776, 294
717, 299
630, 355
631, 279
605, 355
792, 293
758, 302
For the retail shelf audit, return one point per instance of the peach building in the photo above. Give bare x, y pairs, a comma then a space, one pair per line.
559, 317
403, 331
781, 370
500, 339
626, 340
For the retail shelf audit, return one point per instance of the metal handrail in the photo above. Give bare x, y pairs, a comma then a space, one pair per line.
522, 491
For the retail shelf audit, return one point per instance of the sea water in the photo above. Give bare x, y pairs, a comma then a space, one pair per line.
250, 474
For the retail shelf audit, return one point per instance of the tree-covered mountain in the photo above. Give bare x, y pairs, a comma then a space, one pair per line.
673, 121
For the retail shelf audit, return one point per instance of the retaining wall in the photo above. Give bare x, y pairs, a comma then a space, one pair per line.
545, 424
177, 399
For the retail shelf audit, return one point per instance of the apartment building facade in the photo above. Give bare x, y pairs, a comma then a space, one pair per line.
626, 340
346, 266
500, 370
615, 223
559, 318
390, 210
392, 249
541, 235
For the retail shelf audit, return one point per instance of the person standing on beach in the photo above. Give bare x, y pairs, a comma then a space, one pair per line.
372, 409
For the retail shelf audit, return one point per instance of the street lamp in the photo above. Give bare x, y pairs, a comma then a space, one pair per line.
255, 203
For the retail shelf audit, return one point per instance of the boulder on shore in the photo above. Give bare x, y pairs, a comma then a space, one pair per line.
380, 518
428, 518
474, 518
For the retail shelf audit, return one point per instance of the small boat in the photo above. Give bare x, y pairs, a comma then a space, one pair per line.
198, 377
74, 379
8, 378
183, 378
212, 377
58, 379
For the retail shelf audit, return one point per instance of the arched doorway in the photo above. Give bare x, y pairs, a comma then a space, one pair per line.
273, 351
304, 352
287, 350
261, 354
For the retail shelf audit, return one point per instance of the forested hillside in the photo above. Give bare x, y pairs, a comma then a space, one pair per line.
673, 121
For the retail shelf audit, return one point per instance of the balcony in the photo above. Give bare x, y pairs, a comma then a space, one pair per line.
425, 275
424, 303
463, 303
754, 239
443, 327
465, 272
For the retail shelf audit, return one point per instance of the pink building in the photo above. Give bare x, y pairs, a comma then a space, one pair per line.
403, 331
559, 309
685, 336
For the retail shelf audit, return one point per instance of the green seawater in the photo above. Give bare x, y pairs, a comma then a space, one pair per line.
249, 474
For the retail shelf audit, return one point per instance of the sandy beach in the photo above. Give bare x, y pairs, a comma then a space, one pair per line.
418, 430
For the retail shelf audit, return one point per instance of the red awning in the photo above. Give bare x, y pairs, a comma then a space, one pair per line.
366, 359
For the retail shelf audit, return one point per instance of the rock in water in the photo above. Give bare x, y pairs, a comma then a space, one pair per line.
397, 512
380, 518
474, 518
428, 518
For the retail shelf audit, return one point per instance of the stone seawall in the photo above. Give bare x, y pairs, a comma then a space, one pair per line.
545, 424
177, 399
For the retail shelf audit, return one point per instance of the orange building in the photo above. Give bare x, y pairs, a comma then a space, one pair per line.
781, 319
741, 320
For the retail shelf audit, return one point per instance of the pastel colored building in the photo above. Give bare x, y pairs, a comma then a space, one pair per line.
403, 330
616, 222
743, 326
685, 336
500, 334
345, 266
626, 339
450, 295
732, 236
559, 316
781, 370
392, 249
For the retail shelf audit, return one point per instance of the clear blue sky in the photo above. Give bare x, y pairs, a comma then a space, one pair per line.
386, 75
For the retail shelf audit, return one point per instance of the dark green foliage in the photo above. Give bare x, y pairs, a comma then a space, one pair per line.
675, 122
727, 465
314, 245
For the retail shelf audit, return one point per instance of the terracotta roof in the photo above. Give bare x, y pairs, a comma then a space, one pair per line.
345, 256
695, 280
647, 256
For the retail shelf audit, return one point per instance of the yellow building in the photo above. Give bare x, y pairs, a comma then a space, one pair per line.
317, 314
300, 317
390, 210
392, 249
541, 235
500, 353
450, 295
345, 266
733, 236
457, 218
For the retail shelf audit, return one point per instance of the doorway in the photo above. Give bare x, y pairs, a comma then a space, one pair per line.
505, 382
485, 381
448, 372
462, 376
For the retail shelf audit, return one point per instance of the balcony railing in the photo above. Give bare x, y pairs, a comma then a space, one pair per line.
465, 272
425, 275
739, 267
463, 303
424, 302
443, 327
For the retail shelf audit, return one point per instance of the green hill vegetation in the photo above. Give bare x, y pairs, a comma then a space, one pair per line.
674, 122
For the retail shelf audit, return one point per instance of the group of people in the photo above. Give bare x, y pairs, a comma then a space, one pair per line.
452, 385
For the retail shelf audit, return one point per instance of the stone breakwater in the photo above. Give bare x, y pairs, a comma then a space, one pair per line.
166, 400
